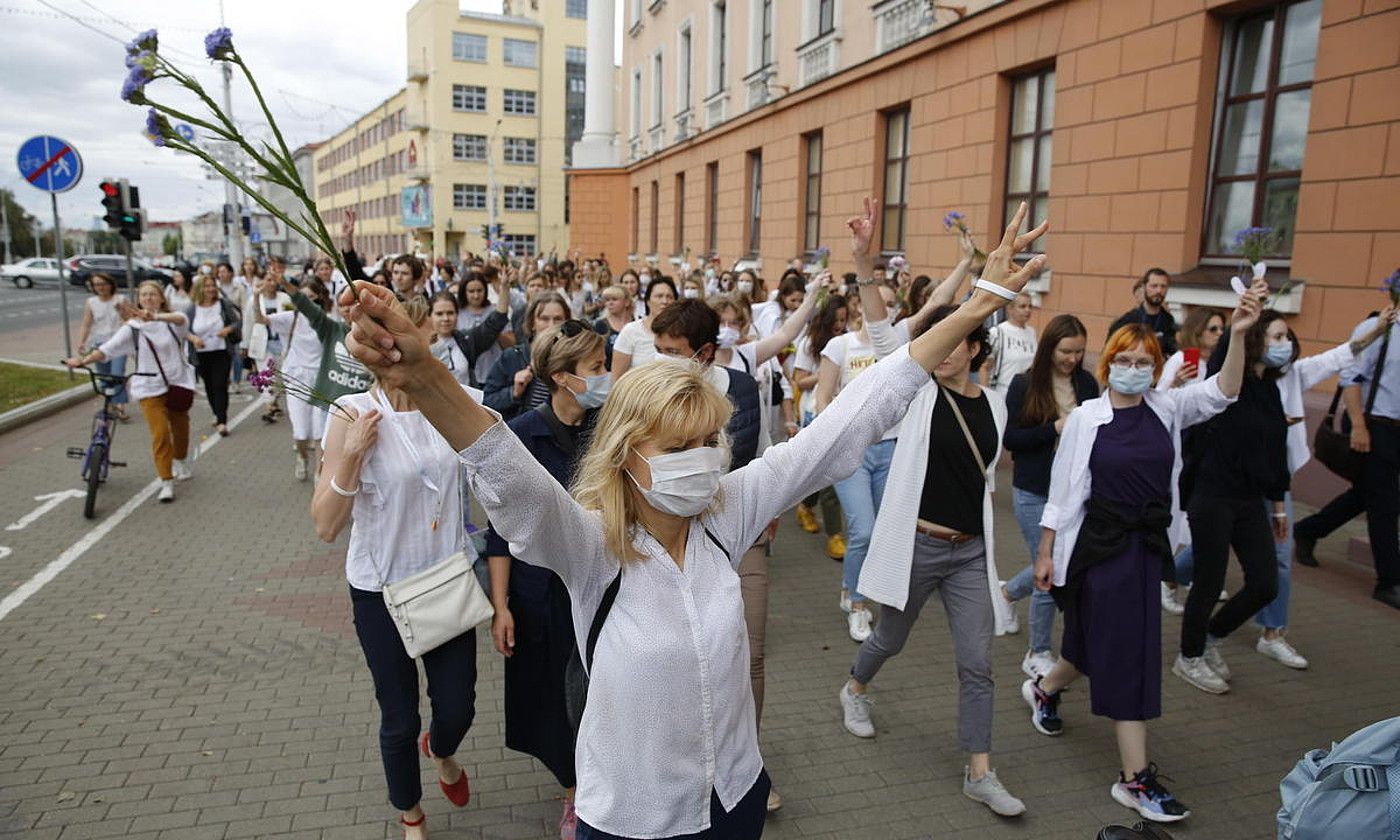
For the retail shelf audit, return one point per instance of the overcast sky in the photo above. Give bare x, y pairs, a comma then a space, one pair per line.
320, 63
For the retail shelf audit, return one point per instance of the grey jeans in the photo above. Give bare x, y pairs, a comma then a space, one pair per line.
959, 574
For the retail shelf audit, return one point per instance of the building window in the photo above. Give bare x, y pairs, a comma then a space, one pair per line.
469, 147
519, 150
1261, 125
812, 200
636, 115
680, 214
519, 199
469, 98
719, 46
896, 195
1029, 146
520, 244
683, 71
576, 9
520, 53
636, 218
656, 89
826, 16
755, 202
712, 208
467, 47
521, 103
655, 215
575, 89
765, 37
468, 196
636, 12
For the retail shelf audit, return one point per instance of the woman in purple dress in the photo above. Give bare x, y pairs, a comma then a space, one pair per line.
1105, 542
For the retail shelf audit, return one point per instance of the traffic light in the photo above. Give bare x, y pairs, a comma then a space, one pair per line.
486, 232
496, 231
133, 218
112, 204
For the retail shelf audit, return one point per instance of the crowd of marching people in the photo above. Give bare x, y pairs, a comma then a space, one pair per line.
633, 438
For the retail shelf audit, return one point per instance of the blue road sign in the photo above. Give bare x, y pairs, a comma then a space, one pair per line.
255, 237
185, 132
50, 164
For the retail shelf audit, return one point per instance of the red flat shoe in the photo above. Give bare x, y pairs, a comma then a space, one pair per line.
459, 793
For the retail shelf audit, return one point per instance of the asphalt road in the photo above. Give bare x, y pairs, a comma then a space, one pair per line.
26, 309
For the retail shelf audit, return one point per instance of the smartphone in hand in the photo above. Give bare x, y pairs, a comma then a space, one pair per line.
1192, 355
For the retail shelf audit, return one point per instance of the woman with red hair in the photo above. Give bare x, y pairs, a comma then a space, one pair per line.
1105, 544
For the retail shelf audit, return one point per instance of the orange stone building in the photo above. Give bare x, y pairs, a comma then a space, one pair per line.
1147, 131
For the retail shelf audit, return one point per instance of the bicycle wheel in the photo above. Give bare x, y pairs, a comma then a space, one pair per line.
97, 458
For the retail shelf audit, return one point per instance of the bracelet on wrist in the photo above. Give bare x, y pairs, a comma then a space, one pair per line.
341, 491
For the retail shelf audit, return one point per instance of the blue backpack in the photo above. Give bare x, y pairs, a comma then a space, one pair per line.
1351, 790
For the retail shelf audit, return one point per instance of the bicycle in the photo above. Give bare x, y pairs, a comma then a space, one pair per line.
97, 457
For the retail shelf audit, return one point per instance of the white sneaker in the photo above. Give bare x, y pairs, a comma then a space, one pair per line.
182, 468
858, 624
1169, 602
991, 792
300, 469
845, 601
1281, 651
1195, 671
1006, 610
1038, 664
1216, 661
855, 712
167, 490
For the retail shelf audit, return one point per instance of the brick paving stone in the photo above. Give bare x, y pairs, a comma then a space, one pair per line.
232, 637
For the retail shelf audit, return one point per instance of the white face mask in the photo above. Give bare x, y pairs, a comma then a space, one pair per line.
728, 337
745, 286
691, 294
644, 279
596, 389
683, 483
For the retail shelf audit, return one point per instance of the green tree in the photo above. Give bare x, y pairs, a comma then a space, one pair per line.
21, 227
170, 246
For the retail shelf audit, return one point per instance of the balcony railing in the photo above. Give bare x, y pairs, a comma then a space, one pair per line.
817, 59
634, 148
414, 119
756, 87
417, 70
657, 138
417, 172
897, 22
716, 108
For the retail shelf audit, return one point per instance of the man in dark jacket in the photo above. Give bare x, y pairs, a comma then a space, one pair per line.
1153, 310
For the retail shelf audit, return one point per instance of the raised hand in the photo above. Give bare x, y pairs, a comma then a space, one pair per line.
382, 338
862, 229
1000, 268
1246, 314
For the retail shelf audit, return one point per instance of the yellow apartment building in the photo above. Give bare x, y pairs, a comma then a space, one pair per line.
478, 136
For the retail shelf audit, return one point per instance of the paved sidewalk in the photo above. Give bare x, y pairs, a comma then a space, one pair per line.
195, 675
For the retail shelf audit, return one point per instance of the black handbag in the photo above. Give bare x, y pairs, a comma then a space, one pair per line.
1139, 831
1331, 445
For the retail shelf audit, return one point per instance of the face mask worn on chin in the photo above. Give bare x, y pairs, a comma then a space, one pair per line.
683, 483
1130, 381
596, 391
728, 337
1278, 355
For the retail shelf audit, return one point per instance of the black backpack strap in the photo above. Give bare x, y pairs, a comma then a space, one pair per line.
599, 617
714, 539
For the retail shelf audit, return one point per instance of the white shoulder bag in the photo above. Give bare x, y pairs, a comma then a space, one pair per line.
441, 602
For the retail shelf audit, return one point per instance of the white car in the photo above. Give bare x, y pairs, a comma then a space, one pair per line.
25, 273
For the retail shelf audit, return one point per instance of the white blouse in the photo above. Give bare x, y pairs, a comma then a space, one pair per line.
208, 323
168, 341
105, 320
303, 346
638, 342
670, 713
408, 512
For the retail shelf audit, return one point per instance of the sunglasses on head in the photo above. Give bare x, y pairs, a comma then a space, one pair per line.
572, 327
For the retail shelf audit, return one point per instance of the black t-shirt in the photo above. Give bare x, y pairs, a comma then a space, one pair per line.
1163, 324
953, 483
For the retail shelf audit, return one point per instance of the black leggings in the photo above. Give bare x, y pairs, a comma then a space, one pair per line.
451, 672
1216, 525
213, 367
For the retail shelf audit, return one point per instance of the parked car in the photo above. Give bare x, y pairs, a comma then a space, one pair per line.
80, 268
25, 273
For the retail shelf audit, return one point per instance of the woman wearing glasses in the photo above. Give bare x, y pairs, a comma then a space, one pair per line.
667, 745
1105, 542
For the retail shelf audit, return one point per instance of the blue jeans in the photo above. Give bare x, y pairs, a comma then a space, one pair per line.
116, 366
1029, 506
860, 500
1275, 615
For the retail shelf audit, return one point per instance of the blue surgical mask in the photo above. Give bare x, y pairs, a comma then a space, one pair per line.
1278, 355
596, 391
1129, 381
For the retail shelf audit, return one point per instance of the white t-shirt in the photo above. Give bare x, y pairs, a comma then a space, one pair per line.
105, 320
637, 341
168, 341
176, 299
803, 359
208, 322
853, 357
1013, 351
304, 350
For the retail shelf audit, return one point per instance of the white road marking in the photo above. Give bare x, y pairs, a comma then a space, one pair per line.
50, 501
4, 551
30, 587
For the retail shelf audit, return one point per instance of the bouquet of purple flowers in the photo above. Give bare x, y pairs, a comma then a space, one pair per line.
273, 378
954, 219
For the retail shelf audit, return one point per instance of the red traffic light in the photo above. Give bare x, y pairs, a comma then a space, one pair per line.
111, 189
